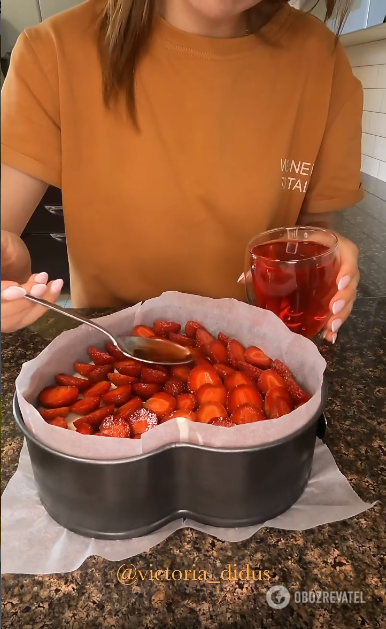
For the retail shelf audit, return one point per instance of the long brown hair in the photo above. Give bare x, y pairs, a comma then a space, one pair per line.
126, 27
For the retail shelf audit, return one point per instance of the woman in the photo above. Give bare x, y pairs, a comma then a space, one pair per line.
176, 130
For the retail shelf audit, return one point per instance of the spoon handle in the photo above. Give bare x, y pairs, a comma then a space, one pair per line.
67, 313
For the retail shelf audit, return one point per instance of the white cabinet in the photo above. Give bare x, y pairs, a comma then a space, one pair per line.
50, 7
16, 15
377, 12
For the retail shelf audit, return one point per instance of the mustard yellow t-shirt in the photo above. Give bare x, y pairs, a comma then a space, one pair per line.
236, 136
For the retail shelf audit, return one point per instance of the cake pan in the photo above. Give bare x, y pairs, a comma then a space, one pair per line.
214, 486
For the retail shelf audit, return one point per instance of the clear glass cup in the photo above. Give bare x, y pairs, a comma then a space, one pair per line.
292, 271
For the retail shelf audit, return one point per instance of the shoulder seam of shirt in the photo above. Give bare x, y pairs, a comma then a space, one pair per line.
39, 61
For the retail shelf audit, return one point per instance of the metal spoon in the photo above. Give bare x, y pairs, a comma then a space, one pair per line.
146, 350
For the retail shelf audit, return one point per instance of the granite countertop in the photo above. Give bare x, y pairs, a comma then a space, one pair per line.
342, 556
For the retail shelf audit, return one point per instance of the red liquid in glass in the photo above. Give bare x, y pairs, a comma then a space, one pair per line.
291, 281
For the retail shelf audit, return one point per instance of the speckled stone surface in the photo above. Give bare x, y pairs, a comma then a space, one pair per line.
342, 556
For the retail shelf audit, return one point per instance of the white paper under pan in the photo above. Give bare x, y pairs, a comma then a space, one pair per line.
34, 544
250, 325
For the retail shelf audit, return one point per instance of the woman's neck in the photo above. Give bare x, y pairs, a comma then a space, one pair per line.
185, 18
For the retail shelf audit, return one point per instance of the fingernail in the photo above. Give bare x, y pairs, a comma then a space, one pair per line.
336, 325
41, 278
57, 286
344, 282
13, 292
240, 278
338, 305
333, 338
38, 290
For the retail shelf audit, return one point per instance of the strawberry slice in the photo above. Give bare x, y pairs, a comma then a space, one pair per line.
278, 402
181, 371
224, 338
191, 328
163, 328
209, 411
203, 338
180, 413
225, 422
255, 356
199, 357
211, 393
236, 352
115, 352
244, 394
99, 357
100, 373
247, 414
236, 379
145, 391
175, 387
119, 379
186, 402
129, 367
60, 422
296, 392
161, 404
86, 405
57, 397
250, 370
224, 370
95, 418
73, 381
217, 352
85, 429
52, 413
269, 379
115, 427
153, 376
143, 331
100, 388
129, 408
84, 368
181, 339
118, 396
141, 421
202, 375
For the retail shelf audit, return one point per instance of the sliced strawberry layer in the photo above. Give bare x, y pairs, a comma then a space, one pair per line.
180, 413
72, 381
118, 396
175, 387
100, 373
100, 388
256, 356
211, 393
247, 414
115, 352
145, 391
52, 413
119, 379
161, 404
217, 352
95, 418
153, 376
85, 429
224, 338
244, 394
250, 370
236, 352
125, 411
203, 338
296, 392
163, 328
181, 339
224, 370
236, 379
278, 402
60, 422
224, 422
84, 369
99, 357
115, 427
191, 328
143, 331
129, 367
86, 405
141, 421
201, 375
57, 397
268, 380
208, 411
186, 402
182, 372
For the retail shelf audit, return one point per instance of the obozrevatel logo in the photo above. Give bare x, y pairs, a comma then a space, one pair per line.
278, 597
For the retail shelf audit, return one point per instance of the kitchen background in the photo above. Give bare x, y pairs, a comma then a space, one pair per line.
364, 37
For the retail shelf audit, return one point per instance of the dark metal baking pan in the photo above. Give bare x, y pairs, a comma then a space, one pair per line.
215, 486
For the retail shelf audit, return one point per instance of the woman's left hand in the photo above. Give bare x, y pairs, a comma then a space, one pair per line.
347, 282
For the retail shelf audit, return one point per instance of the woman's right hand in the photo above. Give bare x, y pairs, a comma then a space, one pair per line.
17, 312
